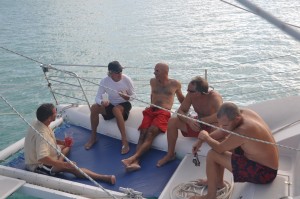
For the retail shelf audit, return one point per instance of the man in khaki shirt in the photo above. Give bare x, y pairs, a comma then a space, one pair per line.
40, 157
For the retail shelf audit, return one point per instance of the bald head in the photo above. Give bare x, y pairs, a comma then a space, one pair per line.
163, 68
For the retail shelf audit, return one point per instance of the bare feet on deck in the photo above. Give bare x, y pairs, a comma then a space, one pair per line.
126, 162
198, 197
130, 165
109, 179
204, 182
167, 158
90, 143
133, 167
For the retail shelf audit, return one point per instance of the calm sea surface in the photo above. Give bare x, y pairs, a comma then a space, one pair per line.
248, 60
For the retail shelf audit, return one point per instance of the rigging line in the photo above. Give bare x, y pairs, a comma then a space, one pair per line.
254, 13
218, 128
67, 159
258, 60
199, 121
85, 65
271, 19
21, 55
255, 76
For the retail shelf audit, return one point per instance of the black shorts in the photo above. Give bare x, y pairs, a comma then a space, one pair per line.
109, 114
44, 169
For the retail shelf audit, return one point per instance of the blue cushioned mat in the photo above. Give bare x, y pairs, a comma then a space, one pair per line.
105, 158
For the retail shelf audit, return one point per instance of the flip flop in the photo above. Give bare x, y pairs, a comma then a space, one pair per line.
125, 149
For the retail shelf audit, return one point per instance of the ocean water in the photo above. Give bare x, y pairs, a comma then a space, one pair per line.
247, 59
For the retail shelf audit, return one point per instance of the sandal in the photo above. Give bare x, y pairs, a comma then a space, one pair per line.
125, 149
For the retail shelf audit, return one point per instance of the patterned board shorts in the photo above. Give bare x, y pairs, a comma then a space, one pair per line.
245, 170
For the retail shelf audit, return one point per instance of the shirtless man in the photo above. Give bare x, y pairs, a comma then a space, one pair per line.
205, 103
251, 161
155, 120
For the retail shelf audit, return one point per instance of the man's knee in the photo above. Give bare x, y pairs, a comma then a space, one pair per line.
117, 110
152, 132
175, 124
211, 155
172, 123
95, 109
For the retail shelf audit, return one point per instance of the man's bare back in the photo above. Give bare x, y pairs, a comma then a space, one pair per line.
253, 126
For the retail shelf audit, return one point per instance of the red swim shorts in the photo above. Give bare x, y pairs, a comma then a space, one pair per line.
191, 133
156, 117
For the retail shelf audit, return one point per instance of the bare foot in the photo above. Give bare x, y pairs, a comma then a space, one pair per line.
109, 179
126, 162
198, 197
167, 158
204, 182
113, 179
133, 167
90, 143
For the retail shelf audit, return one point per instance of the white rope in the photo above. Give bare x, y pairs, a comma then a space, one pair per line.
58, 151
191, 188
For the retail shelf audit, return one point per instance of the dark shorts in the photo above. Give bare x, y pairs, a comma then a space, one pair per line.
245, 170
191, 133
44, 169
109, 114
156, 117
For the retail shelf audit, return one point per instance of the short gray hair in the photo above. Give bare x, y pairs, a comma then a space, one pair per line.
230, 110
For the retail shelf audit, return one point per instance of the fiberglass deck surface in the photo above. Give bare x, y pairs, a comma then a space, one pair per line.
104, 157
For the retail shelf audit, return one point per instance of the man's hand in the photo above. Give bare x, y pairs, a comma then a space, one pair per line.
194, 125
203, 135
196, 146
124, 95
105, 103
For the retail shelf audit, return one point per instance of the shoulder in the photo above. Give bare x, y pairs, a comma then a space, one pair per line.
126, 77
215, 93
173, 83
152, 81
40, 126
215, 96
105, 79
